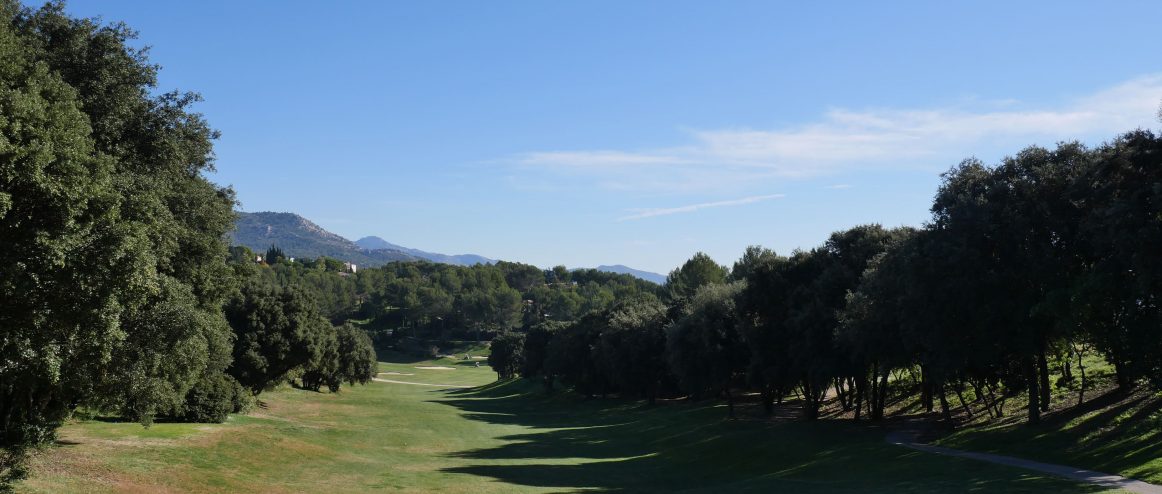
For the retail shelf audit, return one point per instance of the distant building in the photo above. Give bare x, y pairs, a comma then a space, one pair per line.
349, 267
258, 259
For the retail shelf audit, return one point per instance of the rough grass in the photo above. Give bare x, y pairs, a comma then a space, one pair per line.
499, 437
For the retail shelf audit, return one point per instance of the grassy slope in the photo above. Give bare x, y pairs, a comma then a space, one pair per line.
499, 438
1109, 433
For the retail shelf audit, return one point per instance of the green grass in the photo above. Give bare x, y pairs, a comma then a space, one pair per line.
499, 438
1109, 433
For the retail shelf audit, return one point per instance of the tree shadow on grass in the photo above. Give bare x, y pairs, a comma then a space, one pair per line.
573, 444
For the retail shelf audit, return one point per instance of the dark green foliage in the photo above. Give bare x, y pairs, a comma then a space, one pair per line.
536, 347
1117, 298
357, 363
213, 397
569, 355
323, 369
58, 210
700, 270
175, 343
704, 347
755, 257
277, 331
631, 349
111, 236
346, 355
274, 255
507, 355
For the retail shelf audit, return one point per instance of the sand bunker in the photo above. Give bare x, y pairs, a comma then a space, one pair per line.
397, 373
434, 367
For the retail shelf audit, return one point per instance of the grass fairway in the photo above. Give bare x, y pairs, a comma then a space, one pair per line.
498, 438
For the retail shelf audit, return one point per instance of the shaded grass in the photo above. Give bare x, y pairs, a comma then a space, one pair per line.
1110, 433
499, 437
619, 446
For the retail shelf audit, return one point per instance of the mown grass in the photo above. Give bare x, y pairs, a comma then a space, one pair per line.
499, 437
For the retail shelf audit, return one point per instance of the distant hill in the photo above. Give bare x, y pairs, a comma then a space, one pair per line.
375, 243
299, 237
645, 275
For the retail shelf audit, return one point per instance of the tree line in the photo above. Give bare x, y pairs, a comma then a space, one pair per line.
433, 301
117, 295
1024, 265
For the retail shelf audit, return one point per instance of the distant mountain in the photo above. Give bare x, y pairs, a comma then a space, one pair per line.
374, 243
299, 237
645, 275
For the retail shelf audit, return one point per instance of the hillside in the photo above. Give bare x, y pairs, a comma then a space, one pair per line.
645, 275
299, 237
376, 243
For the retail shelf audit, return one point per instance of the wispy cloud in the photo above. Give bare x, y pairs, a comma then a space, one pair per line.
838, 186
649, 213
844, 140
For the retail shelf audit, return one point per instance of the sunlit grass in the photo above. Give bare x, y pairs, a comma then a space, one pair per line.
497, 438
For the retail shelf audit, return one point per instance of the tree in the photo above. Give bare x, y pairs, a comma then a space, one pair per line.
700, 270
125, 243
569, 355
631, 349
507, 355
1016, 222
704, 348
274, 255
754, 257
357, 360
536, 347
763, 312
1116, 299
278, 331
58, 211
323, 368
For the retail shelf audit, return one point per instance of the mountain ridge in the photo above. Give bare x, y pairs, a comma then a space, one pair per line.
376, 243
637, 273
300, 237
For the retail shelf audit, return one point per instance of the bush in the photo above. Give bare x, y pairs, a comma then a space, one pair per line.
214, 397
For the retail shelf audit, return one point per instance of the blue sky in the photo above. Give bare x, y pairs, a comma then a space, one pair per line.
637, 133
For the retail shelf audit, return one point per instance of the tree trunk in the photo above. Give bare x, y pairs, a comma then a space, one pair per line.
944, 408
810, 401
980, 395
1029, 368
883, 396
768, 397
925, 390
840, 394
1123, 377
871, 405
1081, 391
1043, 366
860, 389
960, 396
